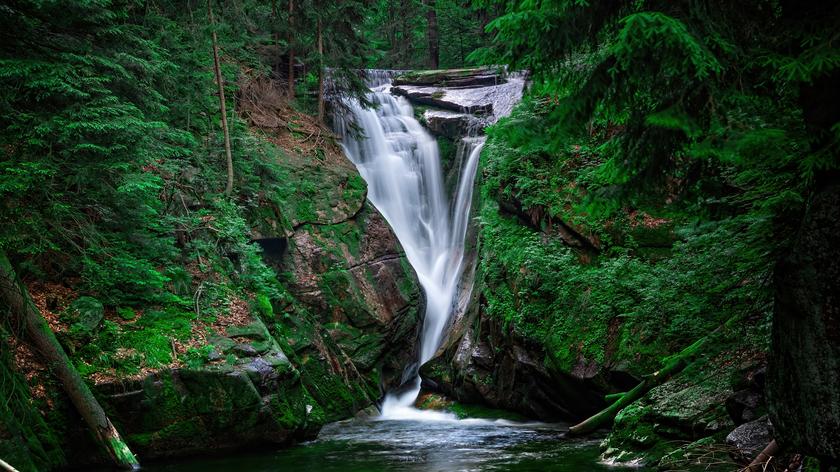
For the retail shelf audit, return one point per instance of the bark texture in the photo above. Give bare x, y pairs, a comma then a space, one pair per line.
321, 71
291, 38
432, 34
804, 374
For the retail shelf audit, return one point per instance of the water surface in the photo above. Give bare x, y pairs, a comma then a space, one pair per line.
420, 446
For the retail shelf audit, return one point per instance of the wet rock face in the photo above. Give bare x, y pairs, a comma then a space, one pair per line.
480, 92
356, 280
473, 101
448, 124
350, 320
494, 366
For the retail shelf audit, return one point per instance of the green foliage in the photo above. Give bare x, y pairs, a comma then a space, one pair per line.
26, 440
624, 305
680, 94
701, 115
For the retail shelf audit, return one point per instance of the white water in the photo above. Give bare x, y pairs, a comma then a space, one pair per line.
399, 160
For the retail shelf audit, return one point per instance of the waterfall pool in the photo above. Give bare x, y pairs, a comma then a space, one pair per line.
419, 446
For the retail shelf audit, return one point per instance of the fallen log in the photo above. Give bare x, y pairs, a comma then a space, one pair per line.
673, 366
15, 294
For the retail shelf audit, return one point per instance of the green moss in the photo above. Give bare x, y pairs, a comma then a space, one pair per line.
147, 341
126, 313
465, 410
263, 305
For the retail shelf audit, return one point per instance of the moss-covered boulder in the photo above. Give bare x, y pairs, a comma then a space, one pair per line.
251, 396
684, 422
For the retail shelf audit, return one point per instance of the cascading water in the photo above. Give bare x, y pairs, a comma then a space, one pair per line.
399, 160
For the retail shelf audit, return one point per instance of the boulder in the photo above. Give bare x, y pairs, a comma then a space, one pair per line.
750, 438
447, 123
743, 405
689, 408
88, 313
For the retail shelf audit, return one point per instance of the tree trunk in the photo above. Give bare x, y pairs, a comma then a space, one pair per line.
803, 381
762, 460
804, 368
291, 38
432, 34
6, 466
392, 34
222, 106
321, 104
26, 314
275, 36
675, 365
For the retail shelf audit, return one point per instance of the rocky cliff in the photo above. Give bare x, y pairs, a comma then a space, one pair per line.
225, 370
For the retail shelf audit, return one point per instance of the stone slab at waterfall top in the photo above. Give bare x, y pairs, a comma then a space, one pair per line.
485, 92
475, 77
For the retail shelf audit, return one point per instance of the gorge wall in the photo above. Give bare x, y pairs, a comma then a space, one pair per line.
255, 370
570, 306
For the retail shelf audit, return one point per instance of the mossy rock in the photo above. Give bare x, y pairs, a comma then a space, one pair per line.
87, 313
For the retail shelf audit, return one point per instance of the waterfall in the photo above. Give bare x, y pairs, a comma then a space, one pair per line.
399, 160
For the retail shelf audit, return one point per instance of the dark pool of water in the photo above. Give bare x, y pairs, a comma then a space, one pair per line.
419, 446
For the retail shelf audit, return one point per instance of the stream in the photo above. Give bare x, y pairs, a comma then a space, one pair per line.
419, 445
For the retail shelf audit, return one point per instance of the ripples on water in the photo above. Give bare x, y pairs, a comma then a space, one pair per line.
420, 446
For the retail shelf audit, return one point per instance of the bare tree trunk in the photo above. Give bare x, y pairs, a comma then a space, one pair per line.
275, 36
392, 34
432, 33
222, 106
14, 294
321, 105
291, 38
406, 44
762, 460
6, 466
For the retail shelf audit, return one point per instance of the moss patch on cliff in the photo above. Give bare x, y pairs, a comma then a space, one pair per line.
592, 296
